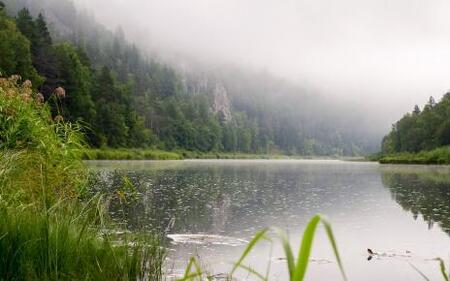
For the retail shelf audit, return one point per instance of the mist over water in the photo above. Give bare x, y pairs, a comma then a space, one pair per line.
374, 58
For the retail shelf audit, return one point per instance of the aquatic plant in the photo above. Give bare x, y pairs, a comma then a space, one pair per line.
296, 266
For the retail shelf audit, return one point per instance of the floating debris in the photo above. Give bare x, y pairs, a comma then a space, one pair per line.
205, 239
312, 260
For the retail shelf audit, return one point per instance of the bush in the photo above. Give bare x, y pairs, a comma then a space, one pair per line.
439, 156
38, 156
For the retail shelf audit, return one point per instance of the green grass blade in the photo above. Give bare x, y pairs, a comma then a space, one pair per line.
287, 250
258, 236
330, 235
191, 276
305, 249
188, 275
442, 267
254, 272
420, 272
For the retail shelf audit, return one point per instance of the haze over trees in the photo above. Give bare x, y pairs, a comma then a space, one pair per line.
125, 99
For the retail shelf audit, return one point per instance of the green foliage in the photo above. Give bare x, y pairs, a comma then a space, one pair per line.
76, 80
46, 233
436, 156
421, 130
64, 244
31, 145
130, 154
123, 99
42, 51
15, 52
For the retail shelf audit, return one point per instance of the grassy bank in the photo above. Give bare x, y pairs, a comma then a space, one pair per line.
130, 154
156, 154
51, 227
230, 155
440, 156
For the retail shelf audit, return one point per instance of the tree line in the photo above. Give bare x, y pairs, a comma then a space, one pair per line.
418, 130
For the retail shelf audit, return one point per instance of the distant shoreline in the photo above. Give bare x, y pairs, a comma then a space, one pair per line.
157, 154
438, 156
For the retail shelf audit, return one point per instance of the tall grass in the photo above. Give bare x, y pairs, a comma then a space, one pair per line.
65, 244
130, 154
46, 231
35, 151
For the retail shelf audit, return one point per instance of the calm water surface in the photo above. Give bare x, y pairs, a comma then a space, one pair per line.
401, 212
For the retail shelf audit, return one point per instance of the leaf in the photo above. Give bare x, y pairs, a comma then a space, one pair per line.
442, 266
330, 235
287, 251
305, 249
258, 236
420, 272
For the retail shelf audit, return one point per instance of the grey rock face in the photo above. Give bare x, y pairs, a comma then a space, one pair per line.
221, 103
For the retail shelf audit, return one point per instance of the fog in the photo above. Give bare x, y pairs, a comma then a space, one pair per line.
376, 55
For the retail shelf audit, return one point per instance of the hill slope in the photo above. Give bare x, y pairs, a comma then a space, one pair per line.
130, 100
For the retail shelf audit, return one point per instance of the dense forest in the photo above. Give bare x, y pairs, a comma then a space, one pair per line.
419, 130
123, 98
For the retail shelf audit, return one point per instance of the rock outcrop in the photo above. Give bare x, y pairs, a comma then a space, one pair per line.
221, 103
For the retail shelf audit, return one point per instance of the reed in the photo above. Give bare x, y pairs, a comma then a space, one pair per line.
47, 232
70, 243
296, 266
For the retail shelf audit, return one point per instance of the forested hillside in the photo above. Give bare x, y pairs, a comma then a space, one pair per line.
424, 129
123, 98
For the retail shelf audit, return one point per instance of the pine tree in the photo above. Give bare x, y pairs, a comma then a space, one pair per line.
431, 102
15, 52
26, 26
44, 57
77, 81
111, 121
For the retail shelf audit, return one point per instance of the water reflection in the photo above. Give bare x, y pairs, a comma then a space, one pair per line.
369, 205
236, 198
421, 191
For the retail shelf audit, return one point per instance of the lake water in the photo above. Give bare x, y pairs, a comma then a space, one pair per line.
400, 212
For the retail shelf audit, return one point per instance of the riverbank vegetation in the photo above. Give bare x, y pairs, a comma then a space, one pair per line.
130, 154
157, 154
50, 229
439, 156
420, 137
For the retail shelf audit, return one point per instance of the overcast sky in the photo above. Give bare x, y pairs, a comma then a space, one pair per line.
386, 55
